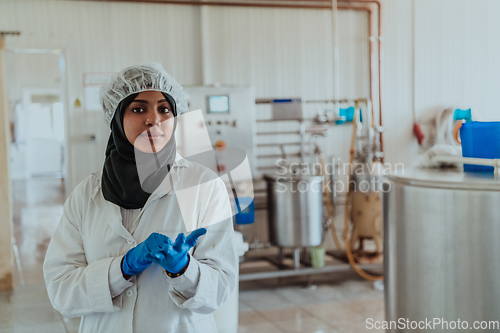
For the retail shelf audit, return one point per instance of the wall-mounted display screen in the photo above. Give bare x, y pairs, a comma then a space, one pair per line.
218, 104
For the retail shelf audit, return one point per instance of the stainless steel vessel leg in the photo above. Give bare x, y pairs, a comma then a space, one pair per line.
296, 257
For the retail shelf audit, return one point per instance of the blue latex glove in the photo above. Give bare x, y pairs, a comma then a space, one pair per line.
139, 258
173, 257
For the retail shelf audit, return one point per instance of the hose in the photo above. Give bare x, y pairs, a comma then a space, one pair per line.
329, 207
348, 249
456, 130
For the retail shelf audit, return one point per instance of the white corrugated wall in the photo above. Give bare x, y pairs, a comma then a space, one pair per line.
460, 65
399, 143
438, 53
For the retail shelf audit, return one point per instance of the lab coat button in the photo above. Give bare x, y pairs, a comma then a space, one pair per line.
130, 241
129, 293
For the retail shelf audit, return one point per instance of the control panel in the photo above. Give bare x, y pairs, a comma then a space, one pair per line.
228, 117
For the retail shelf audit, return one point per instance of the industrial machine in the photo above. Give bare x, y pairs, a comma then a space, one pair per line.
219, 131
442, 254
300, 211
228, 118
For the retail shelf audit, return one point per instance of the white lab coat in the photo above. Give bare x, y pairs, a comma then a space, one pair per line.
82, 265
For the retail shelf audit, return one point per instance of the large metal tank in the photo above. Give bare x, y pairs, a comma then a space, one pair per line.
442, 249
295, 210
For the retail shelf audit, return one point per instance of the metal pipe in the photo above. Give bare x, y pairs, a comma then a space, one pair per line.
278, 155
469, 160
302, 129
278, 144
305, 119
318, 4
296, 258
312, 139
277, 133
344, 100
380, 62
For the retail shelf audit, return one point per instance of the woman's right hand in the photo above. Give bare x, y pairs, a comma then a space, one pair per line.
138, 258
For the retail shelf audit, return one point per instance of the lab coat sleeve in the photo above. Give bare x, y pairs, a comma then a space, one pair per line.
76, 288
212, 271
117, 283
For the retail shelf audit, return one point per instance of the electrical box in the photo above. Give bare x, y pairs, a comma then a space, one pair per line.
228, 116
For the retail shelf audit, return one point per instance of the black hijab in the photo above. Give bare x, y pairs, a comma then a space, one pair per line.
120, 180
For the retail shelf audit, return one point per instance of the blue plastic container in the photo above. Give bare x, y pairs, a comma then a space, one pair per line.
247, 215
480, 139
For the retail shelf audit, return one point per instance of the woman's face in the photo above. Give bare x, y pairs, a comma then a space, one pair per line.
148, 121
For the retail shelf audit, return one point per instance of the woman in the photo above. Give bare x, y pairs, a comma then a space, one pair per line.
119, 257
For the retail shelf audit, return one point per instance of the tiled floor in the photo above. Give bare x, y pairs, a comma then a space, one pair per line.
340, 303
37, 207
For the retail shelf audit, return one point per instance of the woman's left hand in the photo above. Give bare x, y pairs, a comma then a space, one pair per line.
173, 257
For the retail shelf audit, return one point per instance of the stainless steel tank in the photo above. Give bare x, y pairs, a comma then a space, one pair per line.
295, 210
442, 249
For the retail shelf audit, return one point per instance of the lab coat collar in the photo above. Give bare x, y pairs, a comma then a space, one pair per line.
165, 187
180, 161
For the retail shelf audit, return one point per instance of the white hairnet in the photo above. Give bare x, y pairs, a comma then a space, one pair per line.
138, 78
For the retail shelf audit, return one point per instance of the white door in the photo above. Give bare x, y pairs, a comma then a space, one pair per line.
35, 92
44, 137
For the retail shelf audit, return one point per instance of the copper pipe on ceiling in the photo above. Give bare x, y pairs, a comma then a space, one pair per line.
265, 4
